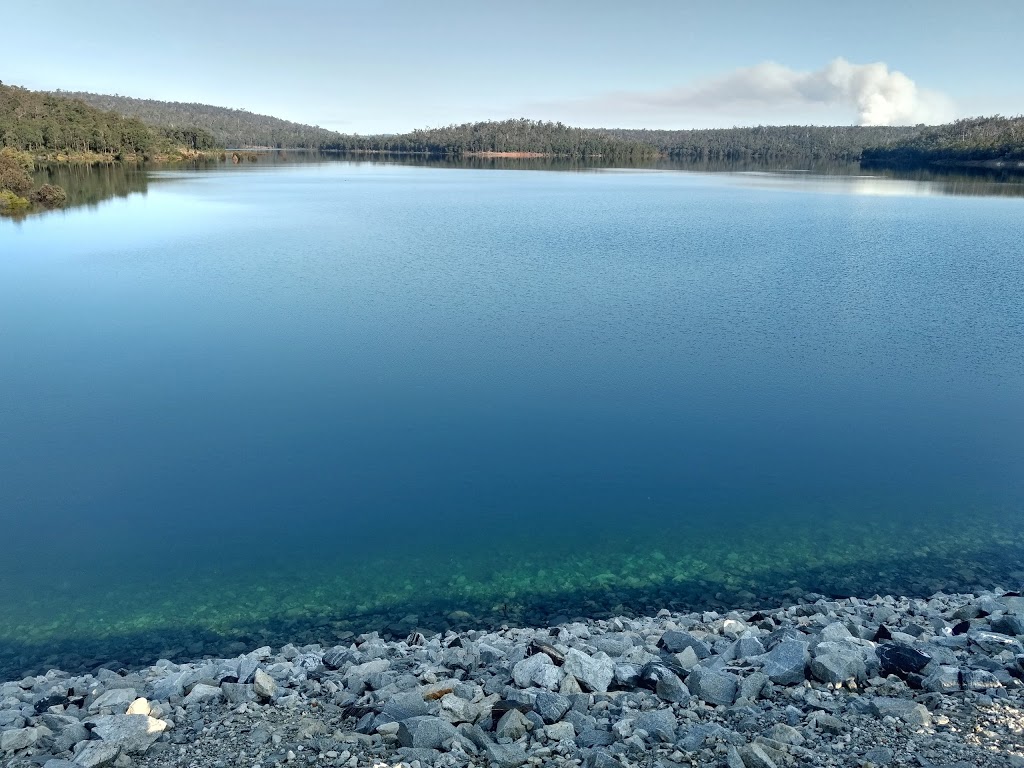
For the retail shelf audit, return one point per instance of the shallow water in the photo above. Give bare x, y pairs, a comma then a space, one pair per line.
263, 404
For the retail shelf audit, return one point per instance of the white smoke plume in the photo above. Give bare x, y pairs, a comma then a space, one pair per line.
880, 96
876, 94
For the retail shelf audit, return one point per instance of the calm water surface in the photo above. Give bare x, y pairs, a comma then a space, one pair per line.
272, 403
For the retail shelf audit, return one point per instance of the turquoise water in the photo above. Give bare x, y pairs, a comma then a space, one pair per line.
274, 403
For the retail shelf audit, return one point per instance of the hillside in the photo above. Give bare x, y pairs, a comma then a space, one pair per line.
229, 127
977, 141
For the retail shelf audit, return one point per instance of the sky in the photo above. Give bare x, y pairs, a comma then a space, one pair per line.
374, 67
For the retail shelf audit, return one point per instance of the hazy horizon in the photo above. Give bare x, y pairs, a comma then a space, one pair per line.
661, 65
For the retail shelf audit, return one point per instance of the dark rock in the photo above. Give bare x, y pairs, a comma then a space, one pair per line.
676, 641
551, 706
900, 659
537, 646
595, 738
712, 686
786, 663
962, 628
402, 706
599, 758
1009, 625
659, 723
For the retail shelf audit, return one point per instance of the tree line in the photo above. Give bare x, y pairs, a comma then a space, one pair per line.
990, 141
46, 124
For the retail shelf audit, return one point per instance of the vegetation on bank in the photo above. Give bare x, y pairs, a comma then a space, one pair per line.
18, 193
976, 141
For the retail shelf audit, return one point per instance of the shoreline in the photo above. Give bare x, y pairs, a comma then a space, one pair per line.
854, 681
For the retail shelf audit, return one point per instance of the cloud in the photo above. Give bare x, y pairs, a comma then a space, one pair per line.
878, 95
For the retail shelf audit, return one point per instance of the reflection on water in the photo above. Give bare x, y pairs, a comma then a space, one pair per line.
91, 185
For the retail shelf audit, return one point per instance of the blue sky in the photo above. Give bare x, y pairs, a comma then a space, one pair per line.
379, 67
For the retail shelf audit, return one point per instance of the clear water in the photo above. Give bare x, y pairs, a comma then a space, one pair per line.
281, 403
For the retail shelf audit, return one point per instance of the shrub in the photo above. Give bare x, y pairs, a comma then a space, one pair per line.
49, 196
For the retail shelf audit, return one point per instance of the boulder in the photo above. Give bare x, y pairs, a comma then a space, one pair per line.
118, 699
513, 725
713, 686
425, 732
594, 673
263, 685
551, 706
676, 641
839, 666
203, 693
96, 754
907, 710
22, 738
134, 734
661, 724
786, 663
560, 732
526, 671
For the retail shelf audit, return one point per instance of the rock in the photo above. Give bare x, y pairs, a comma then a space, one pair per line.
1009, 625
551, 706
173, 684
139, 707
548, 678
902, 660
247, 667
96, 754
263, 685
755, 756
712, 686
237, 693
745, 647
784, 734
402, 706
56, 763
880, 756
594, 737
525, 671
659, 723
906, 710
836, 631
203, 693
336, 657
22, 738
513, 725
119, 699
425, 732
839, 666
786, 663
560, 732
134, 734
599, 758
505, 755
754, 686
733, 759
457, 710
594, 673
995, 642
687, 658
69, 737
671, 689
676, 641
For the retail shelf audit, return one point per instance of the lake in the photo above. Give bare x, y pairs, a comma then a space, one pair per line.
291, 402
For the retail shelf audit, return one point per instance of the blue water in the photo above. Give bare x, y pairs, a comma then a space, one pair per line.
316, 393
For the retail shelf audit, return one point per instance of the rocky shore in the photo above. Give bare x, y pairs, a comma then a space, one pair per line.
880, 681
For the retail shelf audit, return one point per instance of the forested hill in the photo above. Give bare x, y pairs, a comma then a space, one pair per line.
987, 141
47, 124
229, 127
769, 142
504, 136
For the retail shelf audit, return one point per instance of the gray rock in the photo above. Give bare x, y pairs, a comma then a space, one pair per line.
835, 631
995, 642
11, 718
173, 684
22, 738
425, 732
786, 663
671, 689
659, 723
57, 763
907, 710
712, 686
755, 685
784, 734
513, 725
505, 755
237, 693
560, 732
548, 678
594, 737
203, 693
839, 666
1009, 625
118, 700
599, 758
134, 734
613, 644
675, 641
68, 737
733, 759
524, 672
96, 754
879, 756
425, 756
594, 673
697, 735
755, 756
402, 706
247, 667
263, 685
551, 706
745, 647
